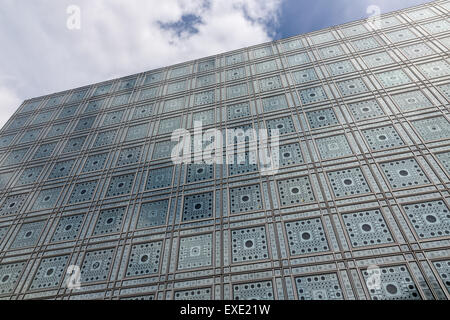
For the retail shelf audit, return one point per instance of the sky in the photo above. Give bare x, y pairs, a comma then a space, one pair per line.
54, 45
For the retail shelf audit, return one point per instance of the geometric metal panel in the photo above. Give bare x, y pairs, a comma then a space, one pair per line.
28, 235
333, 147
404, 173
429, 219
246, 198
365, 110
195, 252
295, 191
129, 156
153, 214
61, 169
262, 290
9, 276
12, 204
348, 182
68, 228
50, 273
382, 138
312, 95
367, 228
306, 237
159, 178
411, 101
322, 118
120, 185
249, 244
319, 287
396, 284
393, 78
83, 192
144, 259
290, 154
433, 128
351, 87
443, 268
109, 221
96, 265
198, 206
95, 162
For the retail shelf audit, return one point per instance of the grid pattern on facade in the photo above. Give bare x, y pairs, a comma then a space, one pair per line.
86, 177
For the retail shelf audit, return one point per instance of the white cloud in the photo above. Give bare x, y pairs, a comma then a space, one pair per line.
9, 101
118, 38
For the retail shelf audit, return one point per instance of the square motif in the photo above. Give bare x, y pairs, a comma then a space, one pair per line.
304, 76
312, 95
9, 276
199, 172
306, 237
83, 192
322, 118
383, 138
237, 111
96, 265
237, 91
109, 221
269, 84
153, 214
404, 173
396, 284
144, 259
274, 103
295, 191
290, 154
378, 59
120, 185
198, 206
28, 235
49, 273
195, 252
429, 219
298, 59
393, 78
95, 162
129, 156
333, 147
244, 199
159, 178
351, 87
331, 52
319, 287
284, 125
267, 66
348, 182
68, 228
411, 101
249, 244
341, 67
367, 228
433, 128
365, 110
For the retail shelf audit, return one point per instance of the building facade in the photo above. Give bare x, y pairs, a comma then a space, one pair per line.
359, 208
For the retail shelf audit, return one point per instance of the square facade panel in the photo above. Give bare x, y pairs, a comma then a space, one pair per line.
144, 259
195, 252
319, 287
249, 244
333, 147
306, 237
429, 219
404, 173
396, 284
262, 290
367, 228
